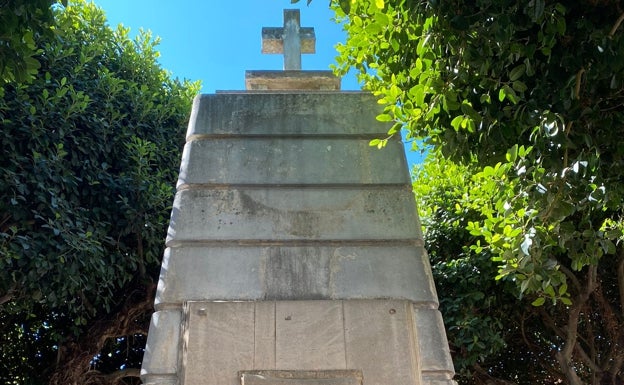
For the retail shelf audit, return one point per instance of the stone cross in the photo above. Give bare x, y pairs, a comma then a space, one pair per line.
292, 40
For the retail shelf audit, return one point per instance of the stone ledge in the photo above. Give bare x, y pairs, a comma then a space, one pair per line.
435, 363
160, 363
288, 273
291, 80
293, 214
282, 161
286, 113
160, 380
301, 377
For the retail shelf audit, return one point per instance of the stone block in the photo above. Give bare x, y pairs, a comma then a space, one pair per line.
219, 342
298, 114
380, 339
160, 362
159, 380
295, 272
309, 335
435, 357
291, 80
383, 273
301, 377
375, 337
264, 335
249, 213
274, 160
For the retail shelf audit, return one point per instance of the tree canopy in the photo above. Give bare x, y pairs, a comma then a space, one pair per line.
22, 24
91, 154
529, 96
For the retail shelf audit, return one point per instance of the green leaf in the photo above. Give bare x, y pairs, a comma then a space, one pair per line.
512, 154
537, 10
517, 72
457, 121
384, 118
539, 301
345, 6
379, 4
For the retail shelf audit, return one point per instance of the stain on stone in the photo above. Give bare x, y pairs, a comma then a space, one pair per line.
296, 273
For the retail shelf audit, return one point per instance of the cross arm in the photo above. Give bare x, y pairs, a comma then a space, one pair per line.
273, 42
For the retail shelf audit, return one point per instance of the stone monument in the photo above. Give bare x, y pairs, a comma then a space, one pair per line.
294, 254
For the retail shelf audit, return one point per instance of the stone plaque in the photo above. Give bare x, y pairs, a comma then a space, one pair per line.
301, 377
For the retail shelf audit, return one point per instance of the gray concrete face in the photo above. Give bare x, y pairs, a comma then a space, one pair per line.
252, 273
286, 115
301, 377
160, 362
284, 161
367, 336
282, 214
291, 80
294, 246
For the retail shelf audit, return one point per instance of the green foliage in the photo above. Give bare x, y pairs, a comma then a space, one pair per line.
91, 155
498, 76
22, 24
476, 309
530, 95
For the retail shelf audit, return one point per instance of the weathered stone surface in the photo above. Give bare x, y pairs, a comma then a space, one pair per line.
309, 335
220, 342
283, 204
431, 381
291, 272
301, 377
160, 363
160, 380
264, 335
291, 39
435, 362
380, 339
293, 213
291, 80
374, 336
299, 114
271, 160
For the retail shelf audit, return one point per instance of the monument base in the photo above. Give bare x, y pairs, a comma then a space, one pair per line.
370, 341
291, 80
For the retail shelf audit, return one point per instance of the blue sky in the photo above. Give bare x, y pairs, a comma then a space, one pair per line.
216, 41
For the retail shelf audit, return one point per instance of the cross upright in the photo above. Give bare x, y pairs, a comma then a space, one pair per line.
292, 40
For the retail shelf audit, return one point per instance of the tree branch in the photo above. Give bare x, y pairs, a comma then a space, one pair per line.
620, 278
616, 25
7, 297
564, 356
570, 275
577, 86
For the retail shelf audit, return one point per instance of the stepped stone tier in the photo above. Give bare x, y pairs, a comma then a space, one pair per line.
294, 254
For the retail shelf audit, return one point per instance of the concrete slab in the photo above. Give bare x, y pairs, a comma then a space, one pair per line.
309, 335
291, 80
249, 213
374, 337
301, 377
264, 335
219, 342
275, 160
293, 113
380, 340
436, 364
295, 272
160, 363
